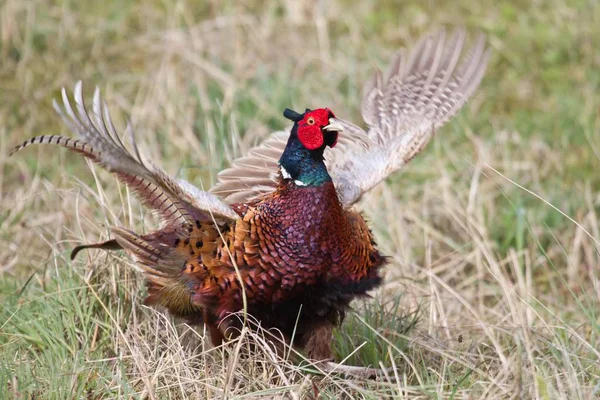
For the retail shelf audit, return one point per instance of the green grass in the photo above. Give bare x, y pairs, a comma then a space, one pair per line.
490, 292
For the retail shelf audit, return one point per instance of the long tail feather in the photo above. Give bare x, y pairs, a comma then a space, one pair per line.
98, 140
71, 144
151, 195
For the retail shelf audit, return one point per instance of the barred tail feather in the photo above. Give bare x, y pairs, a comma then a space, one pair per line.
76, 145
150, 194
146, 254
99, 141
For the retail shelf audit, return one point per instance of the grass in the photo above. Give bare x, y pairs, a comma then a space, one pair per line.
490, 292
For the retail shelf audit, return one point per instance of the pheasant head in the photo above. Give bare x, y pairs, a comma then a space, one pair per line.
302, 160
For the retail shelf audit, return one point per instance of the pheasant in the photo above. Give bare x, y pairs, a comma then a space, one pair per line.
278, 234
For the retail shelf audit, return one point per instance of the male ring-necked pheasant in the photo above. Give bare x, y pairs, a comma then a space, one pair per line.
278, 231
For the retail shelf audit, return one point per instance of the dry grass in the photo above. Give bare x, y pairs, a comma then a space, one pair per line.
491, 293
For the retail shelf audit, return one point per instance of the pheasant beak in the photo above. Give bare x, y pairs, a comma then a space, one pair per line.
334, 126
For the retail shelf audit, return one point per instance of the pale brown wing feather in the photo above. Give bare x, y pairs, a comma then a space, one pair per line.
257, 173
422, 92
254, 174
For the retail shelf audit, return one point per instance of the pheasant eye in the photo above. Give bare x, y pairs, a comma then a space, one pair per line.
310, 121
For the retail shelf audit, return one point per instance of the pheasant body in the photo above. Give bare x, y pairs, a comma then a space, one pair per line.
299, 256
278, 232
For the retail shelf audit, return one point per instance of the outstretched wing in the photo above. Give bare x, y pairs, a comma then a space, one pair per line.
423, 90
176, 201
254, 174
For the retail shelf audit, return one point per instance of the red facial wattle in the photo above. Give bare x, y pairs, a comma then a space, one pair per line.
309, 129
310, 136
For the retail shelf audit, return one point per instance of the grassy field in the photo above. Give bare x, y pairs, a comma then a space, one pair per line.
493, 288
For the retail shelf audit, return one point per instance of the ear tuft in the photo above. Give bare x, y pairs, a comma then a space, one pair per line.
292, 115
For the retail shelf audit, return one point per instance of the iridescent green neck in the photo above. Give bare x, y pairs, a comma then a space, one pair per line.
305, 167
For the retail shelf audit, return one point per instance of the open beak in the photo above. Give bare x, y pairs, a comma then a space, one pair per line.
334, 126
